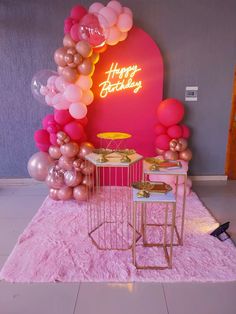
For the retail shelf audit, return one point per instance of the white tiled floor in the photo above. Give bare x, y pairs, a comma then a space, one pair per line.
18, 204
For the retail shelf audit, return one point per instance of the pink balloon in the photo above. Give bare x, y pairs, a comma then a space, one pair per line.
77, 12
59, 102
53, 194
162, 141
38, 165
85, 82
87, 97
61, 84
116, 6
170, 111
74, 32
73, 93
186, 131
73, 178
114, 36
80, 193
62, 116
95, 7
125, 22
68, 23
78, 110
65, 163
160, 129
42, 147
123, 36
109, 14
175, 131
74, 130
128, 11
83, 121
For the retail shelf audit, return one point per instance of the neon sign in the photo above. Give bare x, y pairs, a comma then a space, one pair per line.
119, 79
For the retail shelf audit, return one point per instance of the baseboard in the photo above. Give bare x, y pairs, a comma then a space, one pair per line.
209, 178
30, 181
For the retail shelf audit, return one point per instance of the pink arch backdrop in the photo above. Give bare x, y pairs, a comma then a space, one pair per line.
125, 110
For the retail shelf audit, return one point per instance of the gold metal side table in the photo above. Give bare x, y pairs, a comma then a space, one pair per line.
165, 243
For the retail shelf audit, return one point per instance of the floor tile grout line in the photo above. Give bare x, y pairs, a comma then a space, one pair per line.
163, 289
76, 298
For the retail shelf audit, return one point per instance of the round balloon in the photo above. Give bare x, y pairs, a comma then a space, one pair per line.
170, 111
38, 165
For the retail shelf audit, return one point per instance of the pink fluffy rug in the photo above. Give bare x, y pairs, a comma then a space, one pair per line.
55, 247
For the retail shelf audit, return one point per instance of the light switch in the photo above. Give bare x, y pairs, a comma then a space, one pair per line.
191, 93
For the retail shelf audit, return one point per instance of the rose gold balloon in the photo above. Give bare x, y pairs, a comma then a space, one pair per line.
68, 41
84, 48
85, 149
69, 58
65, 163
61, 135
70, 75
88, 181
94, 57
60, 70
71, 51
186, 155
159, 151
54, 152
183, 142
86, 67
65, 193
170, 155
77, 59
55, 180
59, 56
178, 147
80, 193
73, 178
38, 165
69, 150
53, 194
173, 144
87, 168
77, 164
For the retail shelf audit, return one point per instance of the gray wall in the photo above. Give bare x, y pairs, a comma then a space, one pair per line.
198, 42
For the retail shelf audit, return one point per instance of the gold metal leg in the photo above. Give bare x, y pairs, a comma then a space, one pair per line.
134, 234
172, 234
183, 211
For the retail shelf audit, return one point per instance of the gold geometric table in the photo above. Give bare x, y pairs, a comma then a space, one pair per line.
180, 202
109, 209
164, 203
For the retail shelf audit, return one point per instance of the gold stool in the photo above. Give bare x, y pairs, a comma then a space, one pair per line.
169, 202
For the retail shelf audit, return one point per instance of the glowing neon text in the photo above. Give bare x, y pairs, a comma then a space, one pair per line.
119, 79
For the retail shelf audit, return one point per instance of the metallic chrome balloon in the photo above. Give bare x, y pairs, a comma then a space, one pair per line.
85, 149
65, 163
38, 165
69, 150
80, 193
72, 178
68, 41
186, 155
54, 152
170, 155
84, 48
184, 143
88, 181
87, 168
53, 193
55, 180
77, 164
65, 193
173, 144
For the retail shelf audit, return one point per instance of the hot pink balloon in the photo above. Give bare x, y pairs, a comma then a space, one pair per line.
160, 129
78, 110
77, 12
68, 23
170, 111
74, 130
42, 137
175, 131
47, 119
125, 22
73, 93
74, 32
186, 131
62, 116
162, 141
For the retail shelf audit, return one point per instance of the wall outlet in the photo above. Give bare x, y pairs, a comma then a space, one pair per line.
191, 93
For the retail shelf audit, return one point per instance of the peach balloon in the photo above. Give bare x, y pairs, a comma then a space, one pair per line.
84, 48
123, 36
87, 97
125, 22
69, 74
85, 82
110, 15
95, 7
128, 11
73, 93
116, 6
114, 36
68, 41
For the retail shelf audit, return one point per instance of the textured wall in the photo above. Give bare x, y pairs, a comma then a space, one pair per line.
198, 42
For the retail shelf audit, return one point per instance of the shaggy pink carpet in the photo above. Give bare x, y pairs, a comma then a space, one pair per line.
55, 247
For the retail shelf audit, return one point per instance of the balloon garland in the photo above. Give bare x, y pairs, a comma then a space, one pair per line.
62, 141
